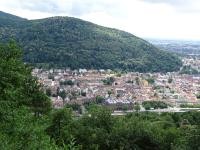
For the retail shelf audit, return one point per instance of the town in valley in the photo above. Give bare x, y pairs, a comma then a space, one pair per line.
122, 90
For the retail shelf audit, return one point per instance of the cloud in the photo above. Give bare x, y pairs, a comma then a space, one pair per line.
42, 6
74, 7
188, 6
171, 2
46, 6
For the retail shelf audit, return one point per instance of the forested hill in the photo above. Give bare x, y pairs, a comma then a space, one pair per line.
74, 43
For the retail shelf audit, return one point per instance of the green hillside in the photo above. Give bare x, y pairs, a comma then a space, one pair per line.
74, 43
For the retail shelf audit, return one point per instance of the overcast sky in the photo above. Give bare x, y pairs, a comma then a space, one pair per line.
166, 19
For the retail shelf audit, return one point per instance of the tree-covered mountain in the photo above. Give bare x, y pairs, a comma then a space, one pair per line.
74, 43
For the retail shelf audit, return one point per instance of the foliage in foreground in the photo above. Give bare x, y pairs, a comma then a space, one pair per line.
28, 122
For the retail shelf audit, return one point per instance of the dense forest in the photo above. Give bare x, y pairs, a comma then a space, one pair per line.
74, 43
28, 122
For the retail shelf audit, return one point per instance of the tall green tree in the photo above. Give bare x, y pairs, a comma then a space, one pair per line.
17, 86
58, 127
20, 98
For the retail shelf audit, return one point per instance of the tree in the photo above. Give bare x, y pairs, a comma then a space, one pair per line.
151, 80
20, 98
83, 93
109, 81
18, 86
40, 103
147, 106
109, 93
60, 121
101, 117
154, 104
63, 95
99, 99
170, 80
193, 138
48, 92
137, 107
198, 96
67, 82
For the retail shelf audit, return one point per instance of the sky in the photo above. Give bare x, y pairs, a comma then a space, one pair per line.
158, 19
